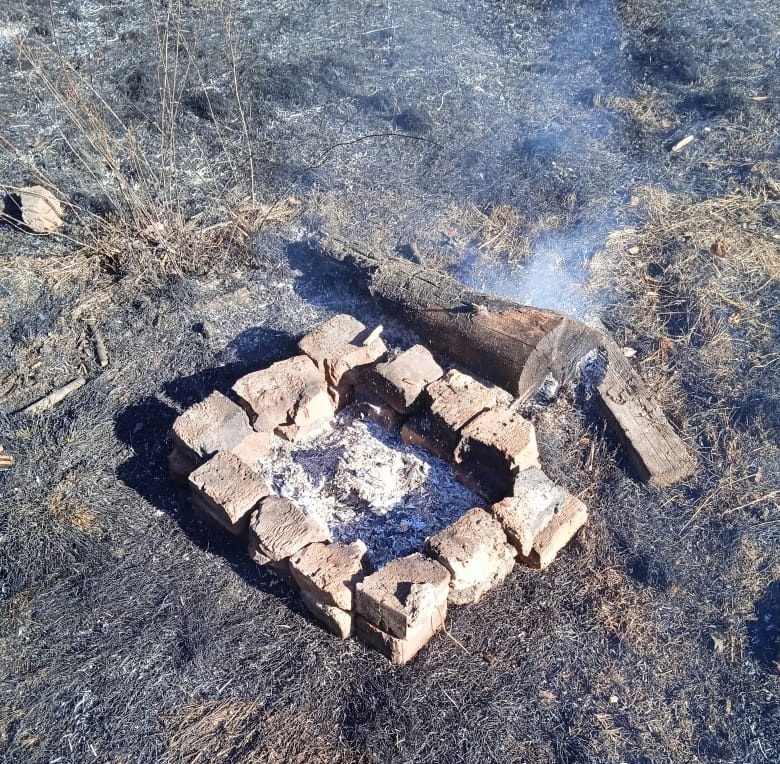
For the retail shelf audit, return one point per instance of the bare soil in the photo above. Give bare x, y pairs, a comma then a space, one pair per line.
201, 149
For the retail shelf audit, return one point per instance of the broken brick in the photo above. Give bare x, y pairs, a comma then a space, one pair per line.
452, 402
336, 620
214, 424
493, 448
401, 381
400, 651
278, 529
330, 571
404, 593
475, 551
341, 346
290, 396
540, 518
253, 448
227, 491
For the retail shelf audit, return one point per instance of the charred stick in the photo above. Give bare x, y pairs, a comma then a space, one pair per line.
54, 397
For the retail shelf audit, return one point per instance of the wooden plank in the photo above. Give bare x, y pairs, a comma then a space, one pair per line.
659, 455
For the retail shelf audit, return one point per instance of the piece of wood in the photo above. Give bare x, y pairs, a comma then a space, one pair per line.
54, 397
516, 347
100, 345
512, 345
657, 452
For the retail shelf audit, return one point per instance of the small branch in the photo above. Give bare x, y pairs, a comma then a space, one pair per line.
100, 345
54, 397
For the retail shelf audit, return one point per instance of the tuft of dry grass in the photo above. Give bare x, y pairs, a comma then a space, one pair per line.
226, 731
501, 229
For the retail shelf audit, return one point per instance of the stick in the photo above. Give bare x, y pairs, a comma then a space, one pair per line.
54, 397
100, 345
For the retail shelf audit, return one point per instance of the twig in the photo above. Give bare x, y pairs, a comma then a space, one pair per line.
54, 397
100, 345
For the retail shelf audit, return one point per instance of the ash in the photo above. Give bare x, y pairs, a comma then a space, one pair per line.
365, 483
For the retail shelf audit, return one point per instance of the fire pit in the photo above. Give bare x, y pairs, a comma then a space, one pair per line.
380, 486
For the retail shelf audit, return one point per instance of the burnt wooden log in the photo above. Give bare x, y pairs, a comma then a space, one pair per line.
514, 346
518, 346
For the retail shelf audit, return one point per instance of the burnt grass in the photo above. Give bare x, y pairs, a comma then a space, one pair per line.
129, 632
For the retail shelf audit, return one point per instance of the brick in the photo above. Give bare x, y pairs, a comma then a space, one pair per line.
475, 551
401, 382
331, 571
214, 424
399, 651
452, 402
341, 347
541, 517
278, 528
280, 568
291, 394
493, 448
335, 620
253, 448
376, 410
227, 491
404, 593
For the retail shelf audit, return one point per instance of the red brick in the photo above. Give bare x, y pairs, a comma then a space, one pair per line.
403, 593
278, 529
400, 651
289, 393
401, 381
341, 347
540, 518
214, 424
475, 551
331, 571
493, 448
226, 490
451, 403
337, 621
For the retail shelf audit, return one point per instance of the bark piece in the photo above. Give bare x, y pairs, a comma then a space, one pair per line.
227, 491
653, 447
401, 381
452, 402
540, 518
214, 424
493, 448
475, 551
331, 571
404, 593
336, 620
253, 448
399, 651
279, 528
515, 346
341, 347
290, 396
36, 208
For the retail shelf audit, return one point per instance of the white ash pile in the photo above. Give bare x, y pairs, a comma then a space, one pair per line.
363, 482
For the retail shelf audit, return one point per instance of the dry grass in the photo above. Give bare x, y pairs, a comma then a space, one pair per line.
226, 731
500, 230
695, 288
